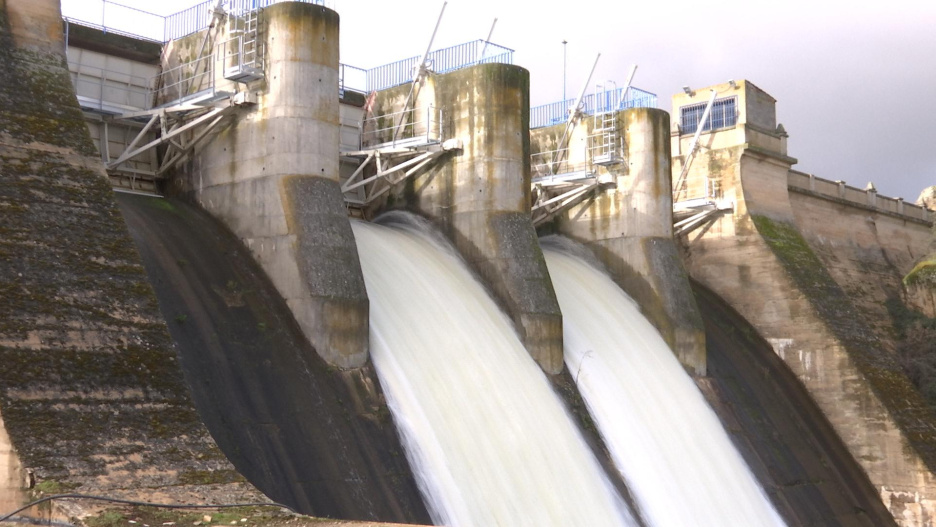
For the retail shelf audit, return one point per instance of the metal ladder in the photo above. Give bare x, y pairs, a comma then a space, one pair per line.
252, 54
603, 140
244, 51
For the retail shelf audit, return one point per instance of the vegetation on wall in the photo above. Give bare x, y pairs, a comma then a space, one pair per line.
924, 273
916, 347
883, 371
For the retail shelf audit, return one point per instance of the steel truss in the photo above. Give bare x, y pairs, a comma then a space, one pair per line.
551, 200
179, 128
391, 165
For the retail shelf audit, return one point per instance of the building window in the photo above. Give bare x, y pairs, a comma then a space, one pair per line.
724, 114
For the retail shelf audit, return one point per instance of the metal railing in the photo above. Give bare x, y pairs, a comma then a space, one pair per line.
113, 17
351, 78
110, 91
185, 81
440, 61
724, 114
544, 165
419, 126
558, 112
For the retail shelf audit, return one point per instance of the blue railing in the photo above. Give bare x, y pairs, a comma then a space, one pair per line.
558, 112
440, 61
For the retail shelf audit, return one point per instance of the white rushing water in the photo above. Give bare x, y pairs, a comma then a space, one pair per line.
489, 442
678, 461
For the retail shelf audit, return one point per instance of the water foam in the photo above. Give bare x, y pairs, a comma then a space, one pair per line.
489, 441
668, 444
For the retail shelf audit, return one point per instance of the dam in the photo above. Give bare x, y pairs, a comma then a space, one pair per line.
403, 295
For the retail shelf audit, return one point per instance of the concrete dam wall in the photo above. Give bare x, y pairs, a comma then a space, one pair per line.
277, 366
815, 272
91, 392
271, 176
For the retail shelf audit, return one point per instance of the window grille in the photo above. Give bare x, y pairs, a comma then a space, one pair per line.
724, 114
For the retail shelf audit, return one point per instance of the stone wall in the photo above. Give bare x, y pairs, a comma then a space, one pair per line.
867, 198
91, 392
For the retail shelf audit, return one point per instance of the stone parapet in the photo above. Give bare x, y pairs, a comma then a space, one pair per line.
867, 198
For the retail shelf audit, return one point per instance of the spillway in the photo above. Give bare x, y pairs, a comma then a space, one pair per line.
666, 441
489, 441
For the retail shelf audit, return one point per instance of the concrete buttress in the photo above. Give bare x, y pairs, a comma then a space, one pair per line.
480, 196
628, 225
272, 177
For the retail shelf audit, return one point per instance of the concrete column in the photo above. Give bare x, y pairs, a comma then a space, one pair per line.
13, 479
630, 229
272, 177
480, 196
36, 26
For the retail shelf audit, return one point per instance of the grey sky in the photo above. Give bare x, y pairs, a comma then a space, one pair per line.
855, 82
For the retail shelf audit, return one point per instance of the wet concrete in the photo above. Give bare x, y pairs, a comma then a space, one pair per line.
304, 433
789, 444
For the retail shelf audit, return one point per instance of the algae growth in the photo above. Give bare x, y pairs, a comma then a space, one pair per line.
913, 413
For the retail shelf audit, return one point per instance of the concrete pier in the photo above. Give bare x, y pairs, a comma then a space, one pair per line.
628, 225
272, 177
480, 196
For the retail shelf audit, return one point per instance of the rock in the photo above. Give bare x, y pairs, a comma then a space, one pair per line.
206, 518
928, 198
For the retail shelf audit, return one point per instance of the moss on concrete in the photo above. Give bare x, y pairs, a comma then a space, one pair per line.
91, 391
37, 101
915, 336
924, 273
882, 371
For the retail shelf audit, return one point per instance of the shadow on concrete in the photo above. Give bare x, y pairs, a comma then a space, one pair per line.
785, 438
305, 434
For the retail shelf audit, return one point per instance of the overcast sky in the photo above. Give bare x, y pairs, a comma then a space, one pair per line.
855, 82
